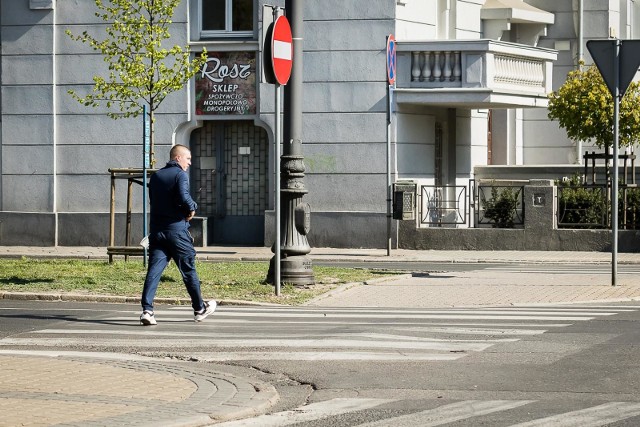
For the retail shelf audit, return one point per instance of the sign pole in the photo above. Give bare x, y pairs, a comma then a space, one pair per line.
279, 47
391, 80
618, 62
614, 186
145, 164
389, 191
276, 165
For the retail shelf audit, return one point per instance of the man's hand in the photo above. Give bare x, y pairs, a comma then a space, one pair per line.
191, 215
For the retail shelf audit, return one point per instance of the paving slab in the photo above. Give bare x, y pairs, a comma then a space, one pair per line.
59, 389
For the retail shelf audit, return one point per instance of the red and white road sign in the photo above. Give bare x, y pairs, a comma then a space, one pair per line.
282, 50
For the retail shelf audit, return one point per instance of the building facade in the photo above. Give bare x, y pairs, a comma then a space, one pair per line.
472, 81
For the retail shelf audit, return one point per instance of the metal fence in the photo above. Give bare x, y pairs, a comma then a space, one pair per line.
583, 206
629, 209
589, 206
502, 206
444, 205
471, 205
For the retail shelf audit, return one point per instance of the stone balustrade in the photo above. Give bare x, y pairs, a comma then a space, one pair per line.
490, 65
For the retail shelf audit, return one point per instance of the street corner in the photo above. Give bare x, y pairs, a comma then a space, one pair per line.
43, 390
47, 390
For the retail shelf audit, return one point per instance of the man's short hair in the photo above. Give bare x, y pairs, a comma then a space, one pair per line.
177, 150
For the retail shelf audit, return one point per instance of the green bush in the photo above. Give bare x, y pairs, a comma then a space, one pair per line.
501, 208
581, 206
632, 221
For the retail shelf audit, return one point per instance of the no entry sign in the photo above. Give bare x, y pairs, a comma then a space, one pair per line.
282, 50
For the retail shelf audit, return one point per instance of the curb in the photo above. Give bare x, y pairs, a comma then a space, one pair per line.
34, 296
336, 258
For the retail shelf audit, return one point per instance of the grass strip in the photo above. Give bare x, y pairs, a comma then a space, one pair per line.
219, 280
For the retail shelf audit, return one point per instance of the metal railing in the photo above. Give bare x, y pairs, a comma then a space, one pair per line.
583, 206
503, 206
443, 205
589, 206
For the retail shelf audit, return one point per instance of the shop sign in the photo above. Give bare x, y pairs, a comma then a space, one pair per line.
226, 84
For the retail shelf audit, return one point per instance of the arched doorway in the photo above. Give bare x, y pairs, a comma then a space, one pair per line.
229, 180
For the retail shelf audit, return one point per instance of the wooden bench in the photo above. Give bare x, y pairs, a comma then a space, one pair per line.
127, 251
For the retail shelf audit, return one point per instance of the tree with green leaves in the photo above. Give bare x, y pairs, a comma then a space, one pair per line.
583, 106
141, 70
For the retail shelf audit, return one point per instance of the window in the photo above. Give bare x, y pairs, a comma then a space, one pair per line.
226, 18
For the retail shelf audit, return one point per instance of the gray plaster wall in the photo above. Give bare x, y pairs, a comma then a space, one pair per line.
55, 153
340, 230
27, 89
344, 120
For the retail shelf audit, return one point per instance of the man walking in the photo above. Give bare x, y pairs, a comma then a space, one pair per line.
171, 210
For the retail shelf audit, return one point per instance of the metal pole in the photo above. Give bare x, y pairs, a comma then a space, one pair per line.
580, 32
614, 184
579, 65
296, 265
276, 165
389, 192
145, 137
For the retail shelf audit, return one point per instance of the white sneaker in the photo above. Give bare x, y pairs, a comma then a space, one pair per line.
209, 307
147, 318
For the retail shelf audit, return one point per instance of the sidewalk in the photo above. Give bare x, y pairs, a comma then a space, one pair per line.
235, 253
505, 286
80, 389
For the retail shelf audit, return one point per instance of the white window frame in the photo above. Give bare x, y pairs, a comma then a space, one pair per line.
227, 32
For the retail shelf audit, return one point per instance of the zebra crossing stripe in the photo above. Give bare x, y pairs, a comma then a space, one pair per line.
216, 322
473, 331
310, 412
302, 337
449, 413
214, 342
71, 353
313, 356
470, 315
591, 417
462, 312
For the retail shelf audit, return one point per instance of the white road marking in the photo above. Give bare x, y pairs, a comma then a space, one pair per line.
400, 315
252, 336
412, 314
449, 413
324, 356
217, 343
310, 412
474, 331
215, 321
591, 417
85, 354
400, 343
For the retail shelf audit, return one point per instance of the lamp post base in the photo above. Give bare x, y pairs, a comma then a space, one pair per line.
296, 269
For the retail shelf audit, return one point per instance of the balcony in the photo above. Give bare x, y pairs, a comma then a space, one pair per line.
473, 74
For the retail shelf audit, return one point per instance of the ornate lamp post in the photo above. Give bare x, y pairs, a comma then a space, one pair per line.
296, 266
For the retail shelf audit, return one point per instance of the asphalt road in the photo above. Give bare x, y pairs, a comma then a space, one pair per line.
512, 366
